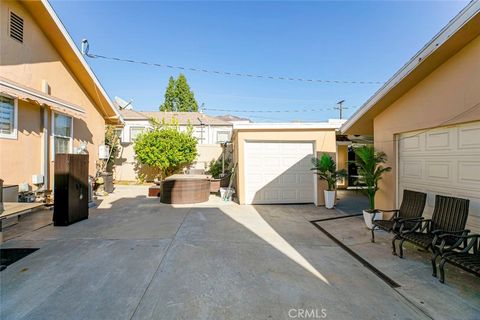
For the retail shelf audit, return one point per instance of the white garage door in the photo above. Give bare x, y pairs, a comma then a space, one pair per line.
443, 161
278, 172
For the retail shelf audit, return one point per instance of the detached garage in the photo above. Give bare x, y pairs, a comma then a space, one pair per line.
274, 161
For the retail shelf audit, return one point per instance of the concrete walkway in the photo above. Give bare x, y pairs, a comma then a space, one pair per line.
135, 258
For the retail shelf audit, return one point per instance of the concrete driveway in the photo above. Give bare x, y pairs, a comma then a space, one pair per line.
135, 258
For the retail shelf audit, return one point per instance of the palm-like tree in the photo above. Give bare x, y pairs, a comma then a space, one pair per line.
326, 169
370, 169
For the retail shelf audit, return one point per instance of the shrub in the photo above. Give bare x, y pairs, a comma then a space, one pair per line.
166, 149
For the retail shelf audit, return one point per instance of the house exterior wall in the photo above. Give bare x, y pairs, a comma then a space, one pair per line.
324, 141
449, 95
29, 63
127, 169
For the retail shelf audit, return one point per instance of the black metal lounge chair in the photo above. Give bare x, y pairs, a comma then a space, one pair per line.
464, 253
412, 206
449, 216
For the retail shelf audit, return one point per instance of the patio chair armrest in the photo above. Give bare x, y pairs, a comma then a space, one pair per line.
444, 233
390, 210
421, 219
468, 241
420, 223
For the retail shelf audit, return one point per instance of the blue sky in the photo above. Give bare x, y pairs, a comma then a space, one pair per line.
354, 41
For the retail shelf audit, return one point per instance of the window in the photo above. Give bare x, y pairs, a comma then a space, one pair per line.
223, 136
62, 133
16, 27
8, 117
200, 134
135, 131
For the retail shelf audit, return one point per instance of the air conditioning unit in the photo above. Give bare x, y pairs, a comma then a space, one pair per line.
37, 179
103, 152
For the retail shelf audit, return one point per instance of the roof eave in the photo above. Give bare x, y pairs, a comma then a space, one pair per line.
73, 58
462, 29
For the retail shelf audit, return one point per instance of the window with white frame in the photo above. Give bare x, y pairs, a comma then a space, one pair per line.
62, 133
8, 117
223, 136
200, 134
134, 132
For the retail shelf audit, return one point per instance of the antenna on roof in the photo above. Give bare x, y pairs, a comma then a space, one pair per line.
85, 47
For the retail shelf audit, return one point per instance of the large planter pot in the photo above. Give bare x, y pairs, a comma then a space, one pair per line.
329, 199
214, 185
367, 216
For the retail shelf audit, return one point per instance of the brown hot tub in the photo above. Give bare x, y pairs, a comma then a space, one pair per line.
185, 189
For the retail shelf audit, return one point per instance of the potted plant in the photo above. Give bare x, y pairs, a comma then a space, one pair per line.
215, 170
370, 168
326, 169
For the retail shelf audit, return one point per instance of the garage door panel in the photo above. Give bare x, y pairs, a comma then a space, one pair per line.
444, 161
284, 175
469, 172
439, 140
469, 137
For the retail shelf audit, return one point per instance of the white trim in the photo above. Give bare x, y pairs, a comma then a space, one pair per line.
397, 162
277, 126
84, 63
472, 9
14, 134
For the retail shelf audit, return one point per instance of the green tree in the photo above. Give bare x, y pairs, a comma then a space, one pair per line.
169, 104
326, 169
113, 141
166, 149
179, 96
370, 168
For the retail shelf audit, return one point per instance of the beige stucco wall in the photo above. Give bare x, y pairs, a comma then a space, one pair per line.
29, 63
324, 141
126, 168
13, 169
449, 95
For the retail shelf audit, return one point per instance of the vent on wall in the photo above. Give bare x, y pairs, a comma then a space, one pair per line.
16, 27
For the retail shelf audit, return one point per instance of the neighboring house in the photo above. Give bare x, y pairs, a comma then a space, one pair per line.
274, 161
426, 118
50, 100
210, 132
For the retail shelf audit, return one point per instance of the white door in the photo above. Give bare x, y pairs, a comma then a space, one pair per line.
278, 172
444, 161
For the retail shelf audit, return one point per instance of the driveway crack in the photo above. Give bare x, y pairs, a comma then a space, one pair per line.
160, 263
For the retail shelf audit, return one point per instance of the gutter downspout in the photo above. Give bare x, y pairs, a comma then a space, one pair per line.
44, 143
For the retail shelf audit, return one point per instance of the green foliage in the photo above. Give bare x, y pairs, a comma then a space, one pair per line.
215, 168
179, 96
166, 148
169, 104
113, 141
370, 169
326, 169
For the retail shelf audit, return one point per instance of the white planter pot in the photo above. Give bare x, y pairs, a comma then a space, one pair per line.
367, 216
329, 199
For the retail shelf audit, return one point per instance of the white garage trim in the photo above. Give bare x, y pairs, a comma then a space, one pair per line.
444, 161
279, 172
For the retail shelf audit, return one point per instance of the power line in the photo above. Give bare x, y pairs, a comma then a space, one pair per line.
85, 48
259, 110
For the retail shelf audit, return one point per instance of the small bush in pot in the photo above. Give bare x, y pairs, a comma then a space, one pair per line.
370, 168
326, 169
